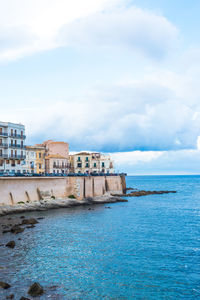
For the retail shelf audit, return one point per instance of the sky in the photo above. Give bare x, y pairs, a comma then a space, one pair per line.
116, 76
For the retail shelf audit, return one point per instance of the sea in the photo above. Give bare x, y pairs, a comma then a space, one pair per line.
146, 248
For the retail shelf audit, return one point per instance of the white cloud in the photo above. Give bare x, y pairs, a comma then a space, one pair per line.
132, 28
40, 19
29, 26
162, 162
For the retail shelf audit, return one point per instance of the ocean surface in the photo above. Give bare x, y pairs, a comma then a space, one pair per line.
147, 248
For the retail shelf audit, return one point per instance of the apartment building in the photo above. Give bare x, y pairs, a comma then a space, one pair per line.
12, 147
30, 161
56, 157
85, 162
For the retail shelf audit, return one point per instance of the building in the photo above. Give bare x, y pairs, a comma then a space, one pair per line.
30, 159
35, 159
85, 162
56, 157
40, 159
12, 147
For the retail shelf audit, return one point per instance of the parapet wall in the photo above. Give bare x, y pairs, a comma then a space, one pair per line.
30, 189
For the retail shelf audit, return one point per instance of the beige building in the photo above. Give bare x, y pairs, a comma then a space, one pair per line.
85, 162
35, 159
56, 157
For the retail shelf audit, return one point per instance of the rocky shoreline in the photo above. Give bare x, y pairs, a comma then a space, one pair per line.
51, 203
139, 193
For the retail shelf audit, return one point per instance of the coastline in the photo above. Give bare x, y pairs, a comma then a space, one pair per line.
50, 203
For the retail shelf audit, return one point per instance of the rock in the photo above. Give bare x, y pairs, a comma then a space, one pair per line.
4, 285
22, 217
24, 298
10, 296
11, 244
29, 221
107, 207
16, 229
30, 226
35, 289
40, 218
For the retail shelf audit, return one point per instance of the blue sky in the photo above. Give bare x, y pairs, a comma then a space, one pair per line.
116, 76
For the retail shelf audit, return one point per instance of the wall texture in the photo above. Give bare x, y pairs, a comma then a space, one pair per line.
23, 189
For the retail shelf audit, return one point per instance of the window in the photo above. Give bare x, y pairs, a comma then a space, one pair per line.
0, 141
11, 142
0, 130
39, 166
86, 159
21, 153
21, 133
18, 162
15, 142
12, 132
21, 144
15, 152
79, 159
0, 152
1, 163
11, 152
40, 155
87, 165
79, 165
103, 164
15, 132
95, 165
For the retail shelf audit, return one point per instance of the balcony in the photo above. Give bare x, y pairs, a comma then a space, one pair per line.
3, 134
17, 157
3, 145
3, 155
61, 167
18, 136
17, 146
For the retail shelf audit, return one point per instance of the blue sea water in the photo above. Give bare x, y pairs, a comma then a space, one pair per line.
147, 248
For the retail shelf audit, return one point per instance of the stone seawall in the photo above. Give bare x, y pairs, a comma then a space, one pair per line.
14, 190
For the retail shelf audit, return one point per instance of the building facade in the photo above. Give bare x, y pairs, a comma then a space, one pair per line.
40, 159
12, 147
30, 159
35, 159
56, 157
85, 162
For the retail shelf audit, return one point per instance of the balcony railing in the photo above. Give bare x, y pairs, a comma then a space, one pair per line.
3, 134
3, 145
19, 136
61, 167
3, 155
17, 156
17, 146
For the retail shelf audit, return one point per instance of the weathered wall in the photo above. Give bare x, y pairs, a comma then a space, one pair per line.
14, 190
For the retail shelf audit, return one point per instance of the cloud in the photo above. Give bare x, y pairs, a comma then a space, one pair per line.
157, 163
132, 28
40, 25
152, 114
22, 20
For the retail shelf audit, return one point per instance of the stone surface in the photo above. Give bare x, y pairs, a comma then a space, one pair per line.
29, 221
4, 285
35, 289
11, 244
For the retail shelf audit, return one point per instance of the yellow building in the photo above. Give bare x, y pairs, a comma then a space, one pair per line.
40, 159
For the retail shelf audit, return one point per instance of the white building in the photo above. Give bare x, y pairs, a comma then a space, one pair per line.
12, 147
85, 162
31, 160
